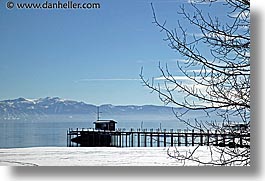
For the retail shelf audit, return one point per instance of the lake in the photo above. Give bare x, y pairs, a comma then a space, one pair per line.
51, 130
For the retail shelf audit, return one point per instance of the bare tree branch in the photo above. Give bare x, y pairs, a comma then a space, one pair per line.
219, 81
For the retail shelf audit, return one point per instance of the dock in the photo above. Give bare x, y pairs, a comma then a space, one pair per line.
154, 138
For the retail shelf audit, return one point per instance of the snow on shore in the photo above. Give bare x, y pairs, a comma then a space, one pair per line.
84, 156
91, 156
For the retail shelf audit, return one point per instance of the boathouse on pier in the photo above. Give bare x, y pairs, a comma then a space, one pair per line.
105, 125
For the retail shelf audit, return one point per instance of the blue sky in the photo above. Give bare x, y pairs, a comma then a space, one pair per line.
92, 55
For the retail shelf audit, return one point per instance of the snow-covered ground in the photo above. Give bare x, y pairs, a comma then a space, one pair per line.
98, 156
85, 156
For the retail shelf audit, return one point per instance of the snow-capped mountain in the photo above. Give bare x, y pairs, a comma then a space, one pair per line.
22, 107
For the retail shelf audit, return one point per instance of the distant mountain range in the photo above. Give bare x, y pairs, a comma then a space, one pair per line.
21, 107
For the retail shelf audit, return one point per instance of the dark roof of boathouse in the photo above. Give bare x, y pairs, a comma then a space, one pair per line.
104, 121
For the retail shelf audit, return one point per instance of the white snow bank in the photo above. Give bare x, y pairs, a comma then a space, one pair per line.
92, 156
85, 156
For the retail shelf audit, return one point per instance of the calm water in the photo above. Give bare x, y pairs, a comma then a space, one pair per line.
52, 131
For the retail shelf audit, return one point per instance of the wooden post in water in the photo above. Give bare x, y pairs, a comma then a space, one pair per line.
172, 139
165, 138
138, 138
120, 139
151, 138
186, 138
98, 138
158, 139
67, 141
115, 139
70, 139
201, 138
132, 137
126, 139
179, 142
192, 137
208, 137
129, 141
144, 139
216, 138
93, 138
77, 135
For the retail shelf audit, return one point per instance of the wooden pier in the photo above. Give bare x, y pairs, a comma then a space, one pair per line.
154, 138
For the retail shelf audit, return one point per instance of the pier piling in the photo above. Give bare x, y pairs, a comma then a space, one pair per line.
151, 138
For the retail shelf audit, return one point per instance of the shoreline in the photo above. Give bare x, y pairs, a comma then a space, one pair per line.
85, 156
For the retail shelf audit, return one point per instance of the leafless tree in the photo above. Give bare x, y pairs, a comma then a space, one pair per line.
217, 71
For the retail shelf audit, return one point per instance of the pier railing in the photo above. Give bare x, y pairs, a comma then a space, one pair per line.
155, 138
